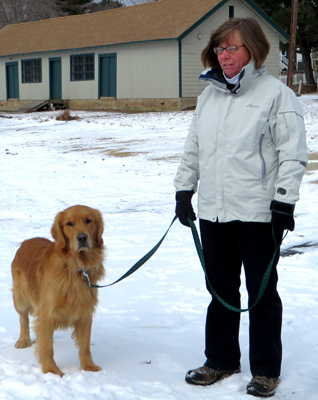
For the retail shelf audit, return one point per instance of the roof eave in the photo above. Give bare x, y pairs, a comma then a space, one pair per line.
86, 48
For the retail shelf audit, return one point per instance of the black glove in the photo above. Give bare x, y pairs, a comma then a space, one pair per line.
282, 215
184, 207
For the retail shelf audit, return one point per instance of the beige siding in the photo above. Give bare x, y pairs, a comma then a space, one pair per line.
195, 42
78, 89
144, 71
192, 46
148, 70
3, 88
27, 91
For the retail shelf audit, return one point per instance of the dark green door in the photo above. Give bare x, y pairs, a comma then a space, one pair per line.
12, 80
55, 78
107, 75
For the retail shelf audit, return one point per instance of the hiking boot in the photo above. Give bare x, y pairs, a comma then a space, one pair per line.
207, 376
261, 386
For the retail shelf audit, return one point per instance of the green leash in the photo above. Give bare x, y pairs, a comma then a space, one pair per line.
199, 249
264, 281
138, 264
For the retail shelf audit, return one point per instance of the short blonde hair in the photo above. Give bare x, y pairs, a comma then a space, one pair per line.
252, 36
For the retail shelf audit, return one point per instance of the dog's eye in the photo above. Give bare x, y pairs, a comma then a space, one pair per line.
88, 221
69, 223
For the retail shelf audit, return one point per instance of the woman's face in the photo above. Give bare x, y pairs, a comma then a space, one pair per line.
232, 64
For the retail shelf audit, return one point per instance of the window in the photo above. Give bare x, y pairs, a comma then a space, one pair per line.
231, 12
32, 71
82, 67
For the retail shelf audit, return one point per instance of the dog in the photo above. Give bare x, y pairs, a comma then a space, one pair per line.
51, 281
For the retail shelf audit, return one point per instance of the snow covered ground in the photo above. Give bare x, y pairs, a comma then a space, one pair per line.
149, 329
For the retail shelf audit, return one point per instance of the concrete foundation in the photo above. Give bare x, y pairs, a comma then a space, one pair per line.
108, 103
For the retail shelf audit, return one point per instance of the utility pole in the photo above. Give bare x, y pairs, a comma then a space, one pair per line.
292, 43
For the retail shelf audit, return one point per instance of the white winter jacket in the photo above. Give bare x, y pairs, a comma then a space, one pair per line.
246, 147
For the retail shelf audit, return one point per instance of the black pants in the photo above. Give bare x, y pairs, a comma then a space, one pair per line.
226, 247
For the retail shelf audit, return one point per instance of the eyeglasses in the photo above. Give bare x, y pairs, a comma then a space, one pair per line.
230, 49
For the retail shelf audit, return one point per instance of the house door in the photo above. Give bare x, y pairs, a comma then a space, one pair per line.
55, 72
107, 75
12, 80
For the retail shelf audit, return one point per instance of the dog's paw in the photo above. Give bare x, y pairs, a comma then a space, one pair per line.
92, 368
23, 343
55, 371
51, 367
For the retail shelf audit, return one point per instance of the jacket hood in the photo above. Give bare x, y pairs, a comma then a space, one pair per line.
247, 75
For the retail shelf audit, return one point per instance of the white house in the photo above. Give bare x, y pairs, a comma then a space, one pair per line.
140, 57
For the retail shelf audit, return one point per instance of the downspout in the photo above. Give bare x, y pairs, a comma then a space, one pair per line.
180, 68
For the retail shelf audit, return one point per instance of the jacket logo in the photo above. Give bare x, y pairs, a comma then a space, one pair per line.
252, 105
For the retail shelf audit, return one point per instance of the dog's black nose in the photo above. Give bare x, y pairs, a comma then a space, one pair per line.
82, 238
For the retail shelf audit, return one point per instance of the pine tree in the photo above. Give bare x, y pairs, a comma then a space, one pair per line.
307, 27
104, 5
73, 7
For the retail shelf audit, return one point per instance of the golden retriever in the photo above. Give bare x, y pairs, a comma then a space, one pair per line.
51, 282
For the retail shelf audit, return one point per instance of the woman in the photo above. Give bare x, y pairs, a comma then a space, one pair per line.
247, 147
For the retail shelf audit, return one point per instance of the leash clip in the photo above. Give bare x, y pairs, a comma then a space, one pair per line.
85, 276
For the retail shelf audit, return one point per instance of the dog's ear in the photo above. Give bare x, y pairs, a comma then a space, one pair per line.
57, 231
99, 228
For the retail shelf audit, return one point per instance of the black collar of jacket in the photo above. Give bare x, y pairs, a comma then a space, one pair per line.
217, 76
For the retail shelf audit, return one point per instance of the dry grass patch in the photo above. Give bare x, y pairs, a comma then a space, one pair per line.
172, 158
122, 153
313, 164
313, 156
66, 116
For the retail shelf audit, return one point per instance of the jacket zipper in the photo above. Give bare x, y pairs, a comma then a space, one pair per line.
263, 165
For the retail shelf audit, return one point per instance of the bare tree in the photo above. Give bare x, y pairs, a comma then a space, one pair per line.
16, 11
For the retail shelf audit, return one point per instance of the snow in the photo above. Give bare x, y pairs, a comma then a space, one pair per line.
127, 3
148, 329
134, 2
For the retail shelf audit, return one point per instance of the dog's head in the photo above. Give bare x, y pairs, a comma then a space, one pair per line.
78, 228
